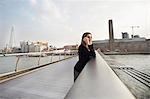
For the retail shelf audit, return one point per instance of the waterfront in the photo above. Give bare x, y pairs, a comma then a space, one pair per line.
138, 62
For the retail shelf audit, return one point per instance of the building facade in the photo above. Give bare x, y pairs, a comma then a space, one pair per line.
33, 46
24, 47
127, 45
71, 47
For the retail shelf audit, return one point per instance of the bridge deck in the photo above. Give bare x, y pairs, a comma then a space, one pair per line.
50, 82
96, 81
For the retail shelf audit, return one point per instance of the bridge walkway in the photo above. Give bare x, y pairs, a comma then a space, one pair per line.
55, 81
49, 82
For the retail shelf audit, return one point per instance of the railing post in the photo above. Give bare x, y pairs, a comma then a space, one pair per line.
70, 55
59, 55
51, 57
64, 55
16, 68
39, 59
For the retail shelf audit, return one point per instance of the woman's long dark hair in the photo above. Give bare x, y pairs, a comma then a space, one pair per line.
84, 35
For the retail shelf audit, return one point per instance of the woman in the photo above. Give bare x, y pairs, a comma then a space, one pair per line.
86, 52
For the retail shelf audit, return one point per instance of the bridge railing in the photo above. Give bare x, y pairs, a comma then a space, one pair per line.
98, 81
11, 63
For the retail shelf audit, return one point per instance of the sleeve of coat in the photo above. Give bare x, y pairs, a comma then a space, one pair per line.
92, 51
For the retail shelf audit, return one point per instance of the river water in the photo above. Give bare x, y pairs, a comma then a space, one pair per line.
140, 63
8, 64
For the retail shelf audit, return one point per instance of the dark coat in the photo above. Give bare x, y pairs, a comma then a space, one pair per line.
84, 56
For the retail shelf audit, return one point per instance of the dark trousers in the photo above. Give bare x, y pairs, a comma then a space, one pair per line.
76, 74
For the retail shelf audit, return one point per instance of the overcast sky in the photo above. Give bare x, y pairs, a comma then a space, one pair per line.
62, 22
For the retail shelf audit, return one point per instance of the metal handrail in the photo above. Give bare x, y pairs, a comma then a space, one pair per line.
98, 81
18, 60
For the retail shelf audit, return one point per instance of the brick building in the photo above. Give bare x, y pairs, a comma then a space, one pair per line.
126, 44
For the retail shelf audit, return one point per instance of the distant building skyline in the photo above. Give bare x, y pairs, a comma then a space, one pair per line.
33, 46
62, 22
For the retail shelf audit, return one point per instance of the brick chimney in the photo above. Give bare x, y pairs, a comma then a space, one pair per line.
111, 35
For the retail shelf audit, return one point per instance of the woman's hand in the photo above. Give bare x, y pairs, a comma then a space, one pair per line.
86, 40
90, 42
